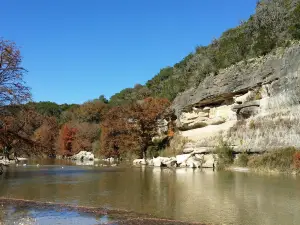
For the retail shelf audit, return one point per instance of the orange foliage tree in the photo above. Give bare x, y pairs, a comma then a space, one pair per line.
116, 138
66, 137
75, 137
21, 130
86, 134
131, 127
46, 135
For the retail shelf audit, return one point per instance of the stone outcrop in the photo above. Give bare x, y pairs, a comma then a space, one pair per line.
252, 105
239, 79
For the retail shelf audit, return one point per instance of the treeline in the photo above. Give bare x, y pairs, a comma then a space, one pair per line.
275, 24
64, 130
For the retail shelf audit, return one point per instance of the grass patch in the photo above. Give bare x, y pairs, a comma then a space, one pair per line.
282, 160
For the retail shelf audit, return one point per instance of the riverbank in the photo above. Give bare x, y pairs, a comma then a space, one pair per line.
284, 160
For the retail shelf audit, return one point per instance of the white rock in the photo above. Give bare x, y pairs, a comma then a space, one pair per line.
182, 158
206, 109
157, 162
243, 98
139, 162
193, 162
183, 165
83, 155
149, 162
209, 161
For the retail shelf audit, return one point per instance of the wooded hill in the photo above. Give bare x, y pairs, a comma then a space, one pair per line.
274, 24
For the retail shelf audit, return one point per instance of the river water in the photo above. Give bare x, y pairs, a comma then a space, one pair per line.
181, 194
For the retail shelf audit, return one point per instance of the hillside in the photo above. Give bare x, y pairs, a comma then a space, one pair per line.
273, 25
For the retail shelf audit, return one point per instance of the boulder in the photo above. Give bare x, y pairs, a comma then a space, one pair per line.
182, 158
139, 162
183, 165
6, 162
192, 162
187, 150
157, 162
170, 162
83, 156
209, 161
241, 99
164, 161
150, 162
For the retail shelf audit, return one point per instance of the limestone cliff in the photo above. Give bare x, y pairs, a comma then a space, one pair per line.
253, 105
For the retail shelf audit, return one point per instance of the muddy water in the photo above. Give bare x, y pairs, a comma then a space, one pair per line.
182, 194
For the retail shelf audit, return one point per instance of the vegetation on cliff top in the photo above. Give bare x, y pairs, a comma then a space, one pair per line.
274, 24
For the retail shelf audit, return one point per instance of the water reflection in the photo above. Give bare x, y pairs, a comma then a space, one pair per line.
33, 216
185, 194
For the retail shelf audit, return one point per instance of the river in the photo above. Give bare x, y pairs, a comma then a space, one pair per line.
182, 194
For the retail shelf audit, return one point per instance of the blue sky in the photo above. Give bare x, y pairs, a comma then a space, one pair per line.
76, 50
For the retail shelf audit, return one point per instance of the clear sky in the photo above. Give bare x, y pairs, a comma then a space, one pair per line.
76, 50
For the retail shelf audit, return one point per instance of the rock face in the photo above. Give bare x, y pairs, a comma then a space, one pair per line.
252, 105
272, 71
83, 156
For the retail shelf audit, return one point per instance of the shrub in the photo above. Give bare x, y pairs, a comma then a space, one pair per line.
152, 151
242, 160
252, 125
258, 95
225, 155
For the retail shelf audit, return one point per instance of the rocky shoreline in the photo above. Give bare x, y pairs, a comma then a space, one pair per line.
190, 160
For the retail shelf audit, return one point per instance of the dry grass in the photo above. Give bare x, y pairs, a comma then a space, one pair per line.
281, 160
273, 130
176, 146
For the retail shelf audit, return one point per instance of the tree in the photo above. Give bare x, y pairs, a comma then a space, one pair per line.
12, 86
103, 99
145, 115
13, 91
20, 123
75, 137
46, 135
91, 111
116, 138
66, 137
131, 127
